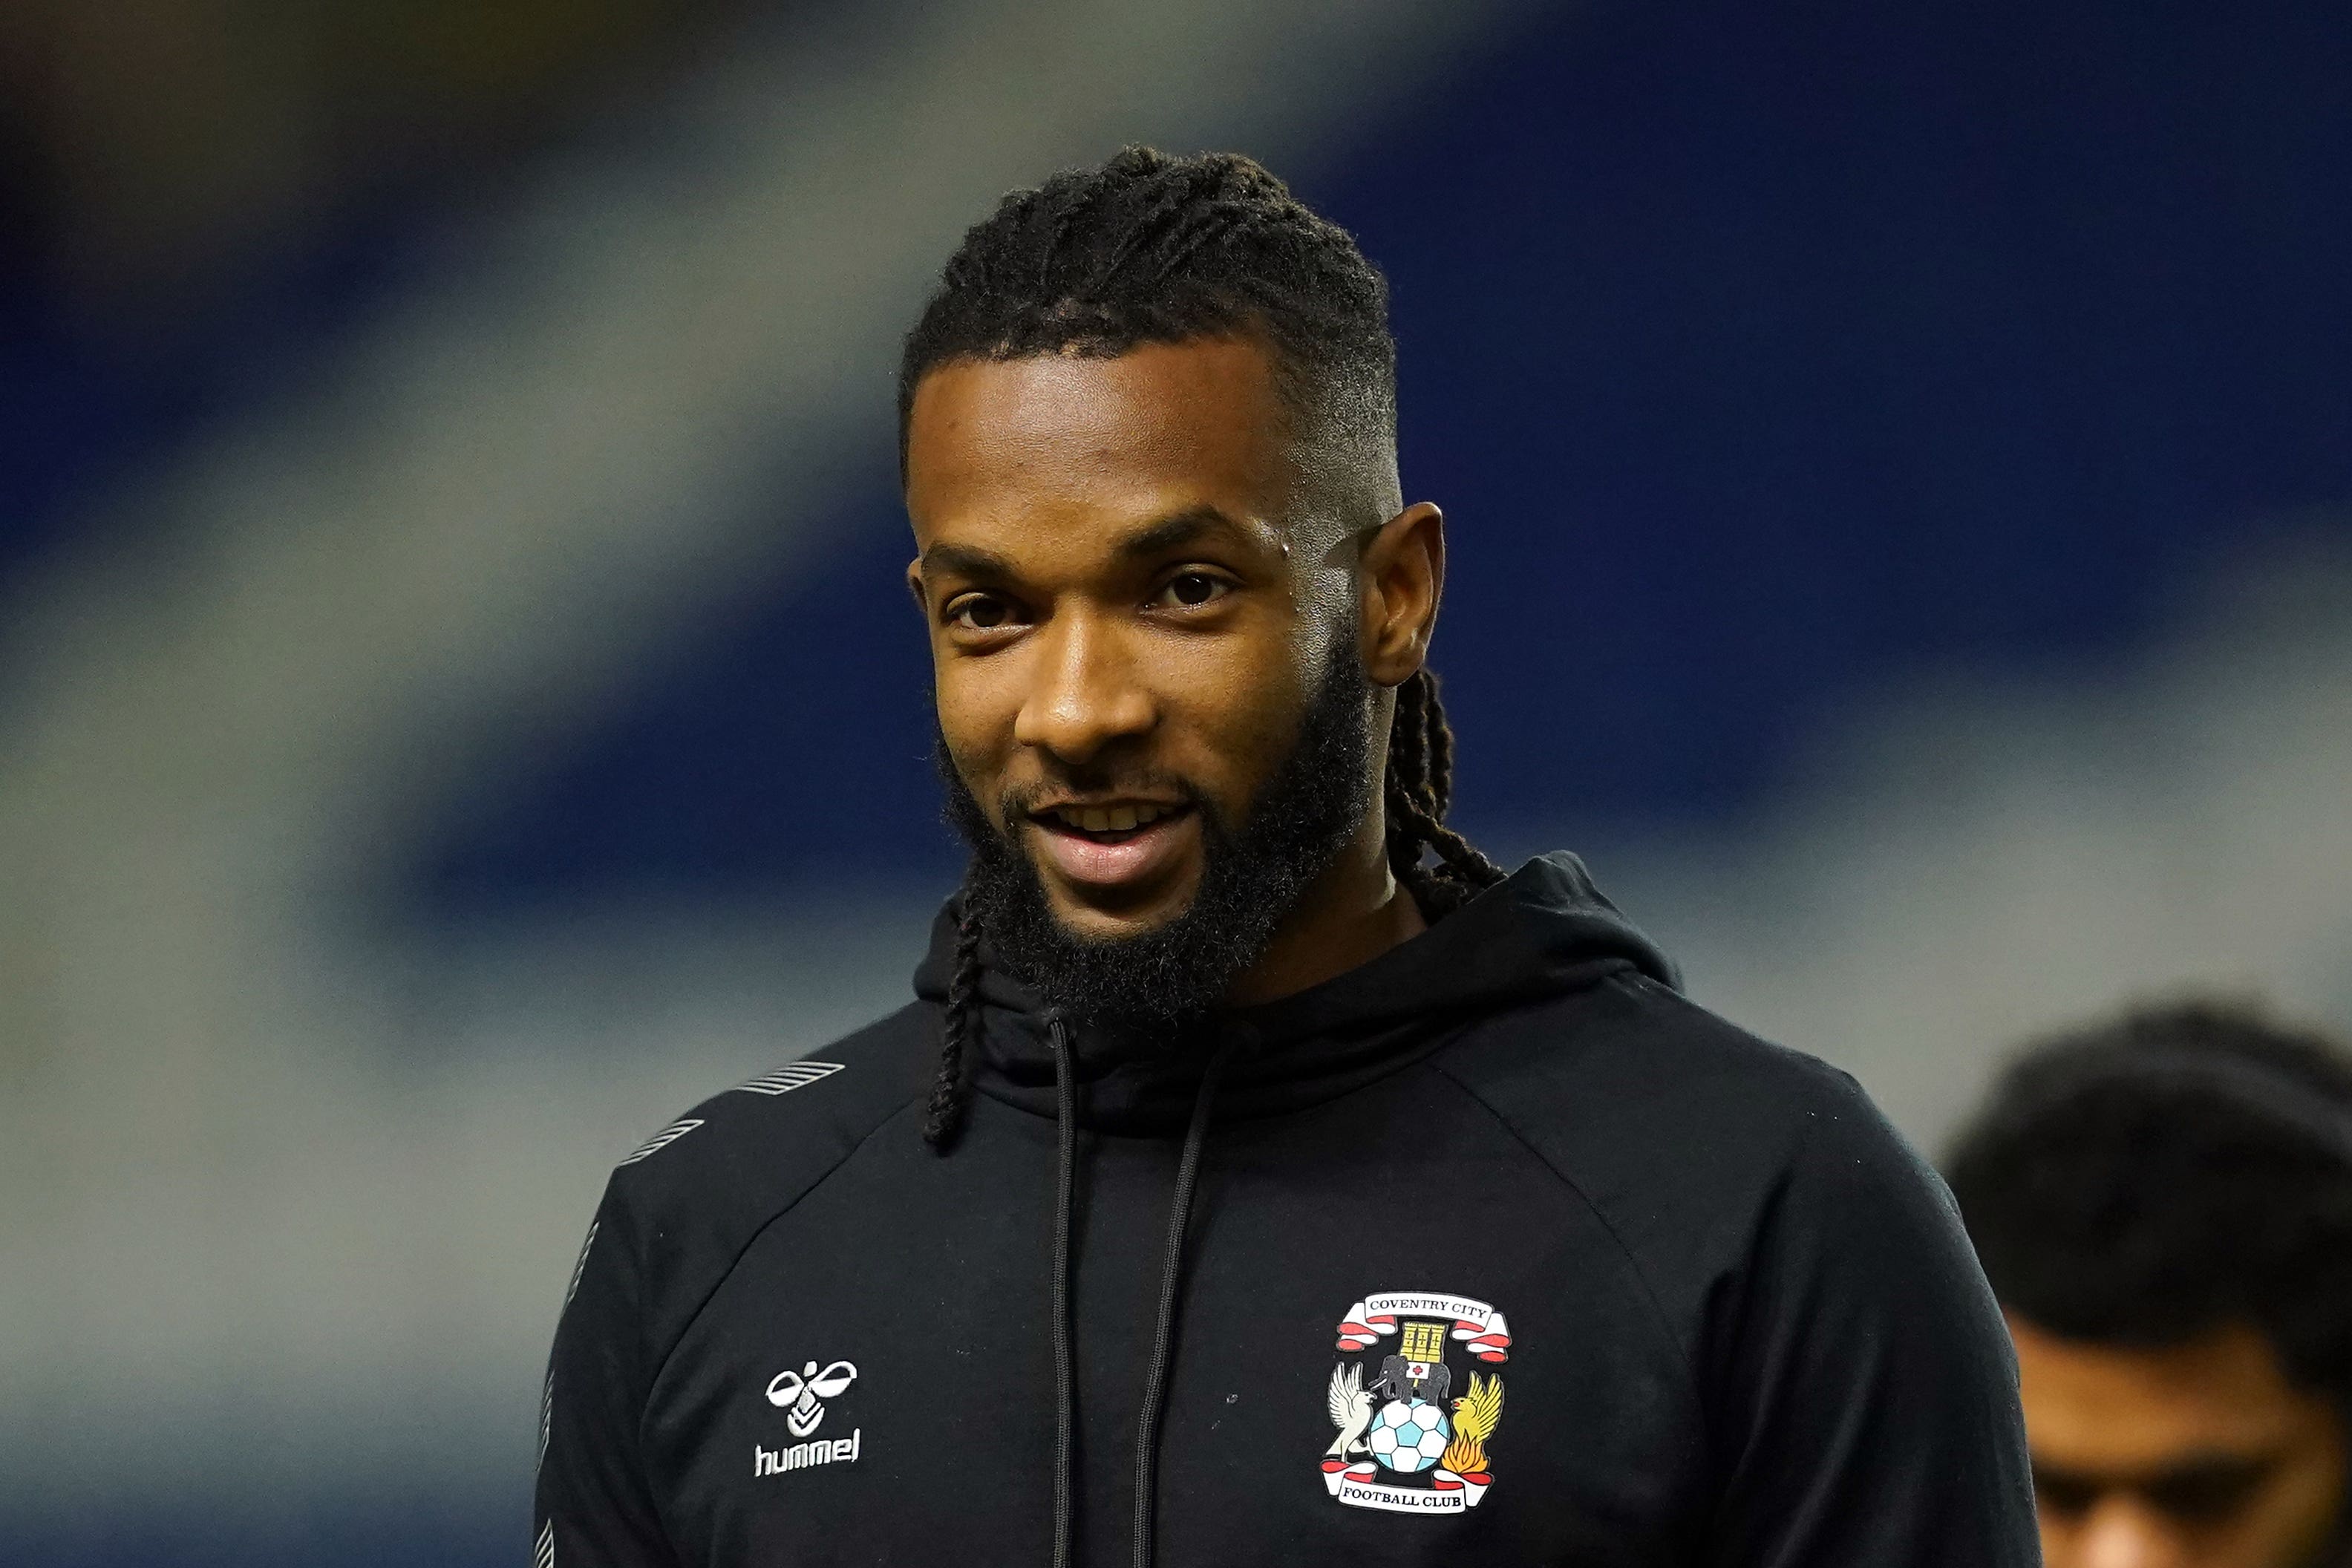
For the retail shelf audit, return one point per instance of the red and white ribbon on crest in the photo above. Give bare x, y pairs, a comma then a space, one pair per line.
1357, 1483
1361, 1328
1488, 1339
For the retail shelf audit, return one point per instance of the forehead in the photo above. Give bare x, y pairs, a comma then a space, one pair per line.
2120, 1407
1155, 431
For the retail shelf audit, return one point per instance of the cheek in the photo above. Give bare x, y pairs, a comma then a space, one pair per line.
976, 708
1241, 711
2058, 1539
2294, 1515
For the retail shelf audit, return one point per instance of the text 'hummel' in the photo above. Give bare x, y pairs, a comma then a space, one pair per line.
800, 1456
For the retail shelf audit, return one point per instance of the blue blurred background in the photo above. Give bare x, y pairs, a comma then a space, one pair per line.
457, 703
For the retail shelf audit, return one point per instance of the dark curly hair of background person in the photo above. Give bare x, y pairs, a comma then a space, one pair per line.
2150, 1178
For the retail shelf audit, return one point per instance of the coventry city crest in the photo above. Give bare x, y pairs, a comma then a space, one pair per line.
1410, 1439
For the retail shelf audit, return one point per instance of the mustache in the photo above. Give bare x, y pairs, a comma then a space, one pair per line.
1253, 871
1016, 803
1019, 801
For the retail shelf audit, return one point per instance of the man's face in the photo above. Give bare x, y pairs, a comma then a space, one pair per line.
1127, 627
2198, 1455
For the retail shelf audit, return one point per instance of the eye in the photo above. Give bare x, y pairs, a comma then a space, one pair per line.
1190, 590
981, 613
2071, 1495
2208, 1493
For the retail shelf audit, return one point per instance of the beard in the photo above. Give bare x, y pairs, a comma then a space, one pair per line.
1251, 878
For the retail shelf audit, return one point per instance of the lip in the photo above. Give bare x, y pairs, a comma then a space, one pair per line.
1140, 857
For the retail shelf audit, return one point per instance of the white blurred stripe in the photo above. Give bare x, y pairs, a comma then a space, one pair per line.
784, 1080
661, 1139
1990, 858
586, 1246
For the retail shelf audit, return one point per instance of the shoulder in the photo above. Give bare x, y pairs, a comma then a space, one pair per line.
1629, 1065
686, 1202
1694, 1140
1859, 1395
764, 1139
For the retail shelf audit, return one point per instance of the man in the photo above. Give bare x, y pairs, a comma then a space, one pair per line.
1260, 1175
2164, 1203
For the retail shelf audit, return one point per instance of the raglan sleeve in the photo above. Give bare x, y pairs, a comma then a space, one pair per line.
1862, 1388
594, 1507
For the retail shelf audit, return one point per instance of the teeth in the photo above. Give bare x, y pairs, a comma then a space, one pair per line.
1112, 818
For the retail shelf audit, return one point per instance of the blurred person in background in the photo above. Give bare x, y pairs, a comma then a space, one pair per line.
2163, 1201
1608, 1281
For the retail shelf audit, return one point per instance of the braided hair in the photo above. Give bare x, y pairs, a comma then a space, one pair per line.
1153, 249
1150, 248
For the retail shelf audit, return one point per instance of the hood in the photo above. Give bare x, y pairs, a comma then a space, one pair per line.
1543, 930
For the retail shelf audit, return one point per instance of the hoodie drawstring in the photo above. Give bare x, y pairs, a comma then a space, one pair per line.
1065, 1413
1171, 1273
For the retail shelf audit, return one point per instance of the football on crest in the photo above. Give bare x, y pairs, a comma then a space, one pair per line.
1409, 1435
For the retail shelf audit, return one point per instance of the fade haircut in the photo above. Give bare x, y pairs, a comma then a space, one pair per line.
2167, 1172
1150, 248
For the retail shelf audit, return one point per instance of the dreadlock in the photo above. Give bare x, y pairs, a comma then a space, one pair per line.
1417, 787
1150, 248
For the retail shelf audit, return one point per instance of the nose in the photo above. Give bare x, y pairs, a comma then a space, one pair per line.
1086, 695
2121, 1532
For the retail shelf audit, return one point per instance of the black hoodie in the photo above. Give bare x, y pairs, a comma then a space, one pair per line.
1493, 1250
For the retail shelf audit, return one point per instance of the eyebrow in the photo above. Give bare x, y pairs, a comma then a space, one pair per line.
2196, 1464
970, 560
1167, 533
1181, 529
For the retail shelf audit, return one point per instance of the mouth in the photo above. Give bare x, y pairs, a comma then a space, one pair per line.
1113, 844
1109, 823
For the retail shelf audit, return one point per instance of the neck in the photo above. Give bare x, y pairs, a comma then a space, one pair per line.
1349, 916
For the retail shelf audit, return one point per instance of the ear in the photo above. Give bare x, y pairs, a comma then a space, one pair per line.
915, 586
1401, 575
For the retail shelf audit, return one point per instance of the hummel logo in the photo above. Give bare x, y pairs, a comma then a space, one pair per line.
799, 1392
800, 1395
